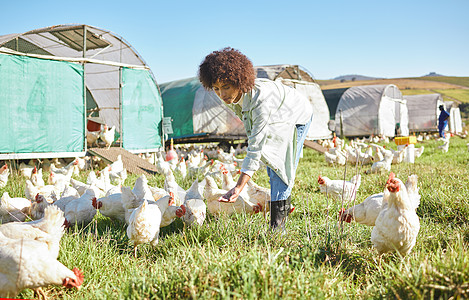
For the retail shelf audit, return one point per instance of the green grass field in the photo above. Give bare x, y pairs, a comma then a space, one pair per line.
237, 257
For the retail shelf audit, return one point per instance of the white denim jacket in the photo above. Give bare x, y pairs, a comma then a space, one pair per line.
270, 113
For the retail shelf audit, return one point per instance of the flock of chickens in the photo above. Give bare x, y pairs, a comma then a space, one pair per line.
392, 213
144, 209
65, 201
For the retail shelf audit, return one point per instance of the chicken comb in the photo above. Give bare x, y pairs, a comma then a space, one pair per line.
34, 170
391, 177
37, 196
235, 163
320, 180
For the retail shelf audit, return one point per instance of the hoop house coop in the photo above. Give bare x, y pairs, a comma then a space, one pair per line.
198, 115
371, 109
423, 112
455, 122
52, 79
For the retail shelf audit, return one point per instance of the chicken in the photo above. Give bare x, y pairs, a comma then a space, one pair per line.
418, 151
26, 170
196, 209
4, 173
60, 180
118, 177
70, 168
162, 166
65, 200
92, 138
49, 229
39, 205
13, 209
171, 186
212, 193
111, 206
169, 211
141, 188
445, 145
107, 135
337, 158
144, 225
338, 188
181, 167
29, 264
367, 211
81, 210
383, 165
397, 226
36, 177
399, 155
117, 172
260, 196
130, 202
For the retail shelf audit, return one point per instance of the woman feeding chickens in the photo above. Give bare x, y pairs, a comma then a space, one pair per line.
276, 119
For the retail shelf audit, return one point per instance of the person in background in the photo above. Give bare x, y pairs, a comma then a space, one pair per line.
276, 119
442, 121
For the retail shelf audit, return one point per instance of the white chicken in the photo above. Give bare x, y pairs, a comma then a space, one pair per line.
92, 138
382, 165
13, 209
80, 210
162, 166
212, 193
36, 177
111, 206
71, 167
445, 146
419, 151
26, 170
367, 211
169, 211
117, 172
196, 209
144, 225
181, 167
397, 226
338, 188
48, 229
28, 263
39, 205
141, 188
171, 186
4, 173
107, 135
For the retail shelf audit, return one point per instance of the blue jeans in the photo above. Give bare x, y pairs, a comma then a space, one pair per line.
441, 128
279, 190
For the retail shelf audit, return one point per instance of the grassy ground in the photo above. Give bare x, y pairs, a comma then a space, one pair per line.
237, 257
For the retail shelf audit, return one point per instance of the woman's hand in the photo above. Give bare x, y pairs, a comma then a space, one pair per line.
230, 197
233, 194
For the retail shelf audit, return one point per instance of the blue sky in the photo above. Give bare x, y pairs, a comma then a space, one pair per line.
401, 38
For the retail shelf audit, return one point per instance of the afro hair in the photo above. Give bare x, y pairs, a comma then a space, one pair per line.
227, 65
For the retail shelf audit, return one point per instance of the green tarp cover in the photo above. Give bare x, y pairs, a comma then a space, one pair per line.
41, 105
178, 100
141, 111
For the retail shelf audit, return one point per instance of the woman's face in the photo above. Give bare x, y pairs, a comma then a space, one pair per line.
227, 92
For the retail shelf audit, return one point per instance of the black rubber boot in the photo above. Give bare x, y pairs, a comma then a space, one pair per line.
279, 211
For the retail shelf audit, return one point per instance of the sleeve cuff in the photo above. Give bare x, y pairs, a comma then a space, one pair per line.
247, 172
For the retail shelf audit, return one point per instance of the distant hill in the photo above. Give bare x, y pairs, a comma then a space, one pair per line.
432, 74
354, 77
